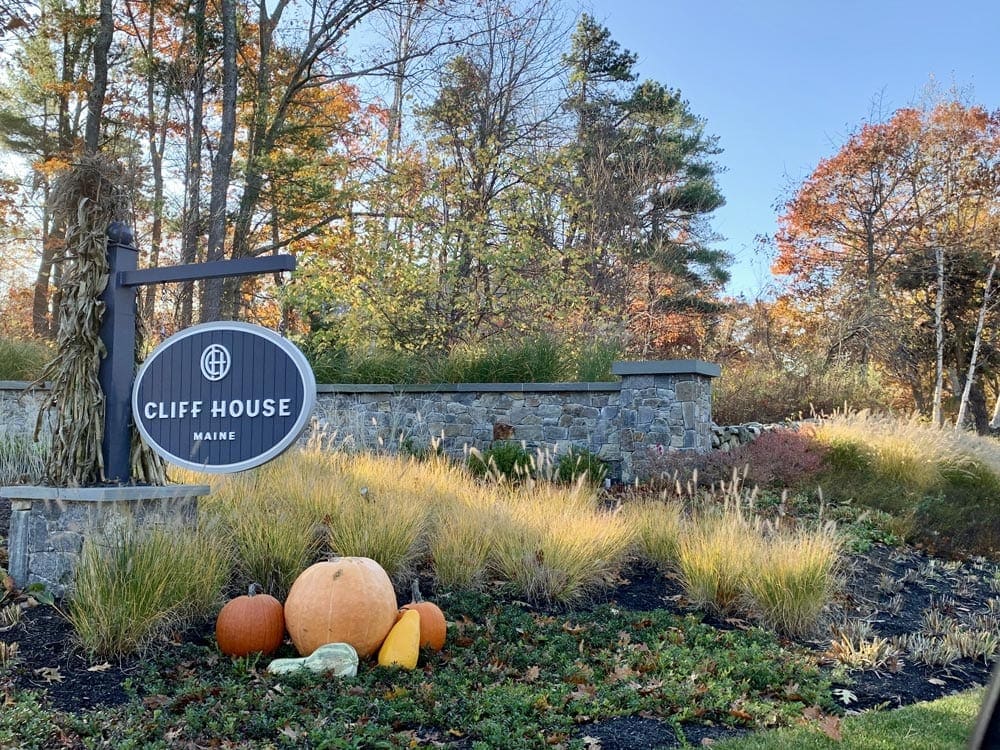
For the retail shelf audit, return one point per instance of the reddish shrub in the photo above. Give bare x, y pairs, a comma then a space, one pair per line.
776, 459
784, 458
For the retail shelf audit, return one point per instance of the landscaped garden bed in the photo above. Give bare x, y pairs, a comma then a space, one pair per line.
576, 618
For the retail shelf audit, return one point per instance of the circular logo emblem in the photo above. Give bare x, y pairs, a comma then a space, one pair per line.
215, 361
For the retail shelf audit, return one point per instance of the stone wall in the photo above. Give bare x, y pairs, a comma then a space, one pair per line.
19, 407
654, 406
49, 525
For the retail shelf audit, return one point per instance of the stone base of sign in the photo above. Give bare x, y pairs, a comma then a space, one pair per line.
48, 525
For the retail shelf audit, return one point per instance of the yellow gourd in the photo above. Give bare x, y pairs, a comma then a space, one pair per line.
402, 646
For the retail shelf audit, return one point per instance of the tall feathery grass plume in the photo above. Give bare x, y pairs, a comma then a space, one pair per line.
86, 199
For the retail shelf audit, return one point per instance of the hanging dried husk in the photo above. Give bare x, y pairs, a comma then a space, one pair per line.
86, 198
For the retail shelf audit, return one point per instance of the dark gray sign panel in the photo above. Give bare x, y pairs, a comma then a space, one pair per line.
223, 397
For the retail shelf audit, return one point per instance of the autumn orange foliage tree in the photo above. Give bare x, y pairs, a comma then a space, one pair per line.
883, 247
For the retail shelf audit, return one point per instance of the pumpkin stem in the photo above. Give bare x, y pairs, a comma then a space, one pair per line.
415, 591
254, 588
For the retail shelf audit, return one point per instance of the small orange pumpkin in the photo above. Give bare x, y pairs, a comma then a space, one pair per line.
433, 626
254, 623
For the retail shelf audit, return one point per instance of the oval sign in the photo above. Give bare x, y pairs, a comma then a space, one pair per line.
223, 397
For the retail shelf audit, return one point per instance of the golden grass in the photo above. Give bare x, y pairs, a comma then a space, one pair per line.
658, 525
132, 584
274, 535
717, 554
553, 543
462, 542
909, 451
794, 579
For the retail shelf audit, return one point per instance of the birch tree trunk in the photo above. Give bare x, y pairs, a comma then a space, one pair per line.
980, 324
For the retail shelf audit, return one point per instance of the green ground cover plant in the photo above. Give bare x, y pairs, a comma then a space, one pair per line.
513, 678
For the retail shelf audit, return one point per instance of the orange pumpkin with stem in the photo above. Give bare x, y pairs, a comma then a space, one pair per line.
253, 623
433, 626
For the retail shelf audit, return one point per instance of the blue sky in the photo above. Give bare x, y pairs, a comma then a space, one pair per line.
782, 84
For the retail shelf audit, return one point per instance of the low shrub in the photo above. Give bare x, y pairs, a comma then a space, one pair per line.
784, 458
580, 463
505, 459
776, 459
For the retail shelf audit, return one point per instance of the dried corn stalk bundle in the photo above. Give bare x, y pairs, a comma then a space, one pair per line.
86, 199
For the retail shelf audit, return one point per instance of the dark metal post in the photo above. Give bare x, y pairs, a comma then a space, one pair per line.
118, 366
986, 735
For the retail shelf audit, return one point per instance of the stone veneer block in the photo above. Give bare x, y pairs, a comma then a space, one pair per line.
49, 525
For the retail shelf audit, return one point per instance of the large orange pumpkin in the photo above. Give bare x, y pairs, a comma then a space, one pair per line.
433, 626
254, 623
344, 600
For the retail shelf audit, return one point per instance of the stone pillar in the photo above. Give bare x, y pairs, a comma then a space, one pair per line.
48, 525
665, 406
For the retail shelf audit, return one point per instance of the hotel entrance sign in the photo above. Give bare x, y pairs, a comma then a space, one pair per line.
223, 397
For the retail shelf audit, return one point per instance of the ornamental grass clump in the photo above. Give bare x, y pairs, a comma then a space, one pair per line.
795, 577
716, 556
272, 530
22, 359
555, 544
134, 584
22, 460
658, 526
462, 540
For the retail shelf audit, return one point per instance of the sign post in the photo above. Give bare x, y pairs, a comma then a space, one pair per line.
118, 331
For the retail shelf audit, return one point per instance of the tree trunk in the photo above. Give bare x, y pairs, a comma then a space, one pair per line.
937, 417
192, 172
977, 341
95, 101
211, 303
157, 136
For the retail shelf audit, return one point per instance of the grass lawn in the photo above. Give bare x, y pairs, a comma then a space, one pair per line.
937, 725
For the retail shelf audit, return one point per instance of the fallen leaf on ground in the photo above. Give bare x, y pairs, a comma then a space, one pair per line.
50, 674
100, 667
830, 725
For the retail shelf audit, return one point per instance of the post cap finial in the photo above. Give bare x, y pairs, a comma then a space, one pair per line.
120, 233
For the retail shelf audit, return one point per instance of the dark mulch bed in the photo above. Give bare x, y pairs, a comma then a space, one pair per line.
73, 682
